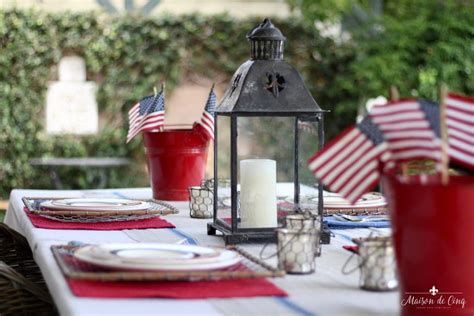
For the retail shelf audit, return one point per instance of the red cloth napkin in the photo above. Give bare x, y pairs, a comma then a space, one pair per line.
155, 222
179, 290
351, 248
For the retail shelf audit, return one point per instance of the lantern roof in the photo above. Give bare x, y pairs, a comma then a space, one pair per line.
266, 84
266, 31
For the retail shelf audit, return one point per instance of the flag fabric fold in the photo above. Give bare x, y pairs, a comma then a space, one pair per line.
396, 132
207, 118
147, 115
460, 125
407, 131
351, 164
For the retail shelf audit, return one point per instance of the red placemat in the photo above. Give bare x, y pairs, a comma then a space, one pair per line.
165, 289
155, 222
175, 289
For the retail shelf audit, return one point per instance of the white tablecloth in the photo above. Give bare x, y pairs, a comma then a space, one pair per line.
326, 292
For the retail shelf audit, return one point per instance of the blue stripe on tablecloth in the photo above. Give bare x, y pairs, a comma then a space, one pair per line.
189, 239
293, 307
120, 195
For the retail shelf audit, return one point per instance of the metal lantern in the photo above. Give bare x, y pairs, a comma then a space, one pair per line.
264, 86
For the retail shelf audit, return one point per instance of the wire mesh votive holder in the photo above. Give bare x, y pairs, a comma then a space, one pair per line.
296, 250
377, 264
201, 202
305, 221
201, 198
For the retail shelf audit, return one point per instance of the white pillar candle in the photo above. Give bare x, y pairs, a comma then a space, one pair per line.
258, 202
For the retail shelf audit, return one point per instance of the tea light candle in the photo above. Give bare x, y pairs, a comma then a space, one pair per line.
258, 202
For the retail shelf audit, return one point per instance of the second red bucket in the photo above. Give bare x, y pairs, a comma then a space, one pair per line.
176, 161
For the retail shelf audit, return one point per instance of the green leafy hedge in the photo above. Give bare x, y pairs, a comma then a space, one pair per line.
126, 56
412, 44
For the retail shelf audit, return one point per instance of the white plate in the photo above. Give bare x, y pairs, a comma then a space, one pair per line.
157, 257
95, 205
334, 200
156, 253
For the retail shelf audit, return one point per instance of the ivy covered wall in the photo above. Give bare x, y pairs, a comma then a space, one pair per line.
126, 56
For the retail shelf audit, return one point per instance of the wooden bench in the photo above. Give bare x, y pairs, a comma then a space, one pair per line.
53, 164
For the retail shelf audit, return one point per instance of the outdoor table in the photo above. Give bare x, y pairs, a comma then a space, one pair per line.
326, 292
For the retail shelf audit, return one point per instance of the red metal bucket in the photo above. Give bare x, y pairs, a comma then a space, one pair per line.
433, 230
176, 161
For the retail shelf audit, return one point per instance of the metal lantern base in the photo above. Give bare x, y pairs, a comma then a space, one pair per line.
231, 238
268, 235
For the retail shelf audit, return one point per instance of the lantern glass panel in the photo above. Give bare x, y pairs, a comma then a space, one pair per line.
268, 138
272, 138
223, 169
308, 143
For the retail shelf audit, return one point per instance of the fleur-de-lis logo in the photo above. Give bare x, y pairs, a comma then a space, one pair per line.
433, 290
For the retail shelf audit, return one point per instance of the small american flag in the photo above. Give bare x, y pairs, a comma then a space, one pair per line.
207, 118
392, 133
406, 130
147, 115
351, 163
460, 126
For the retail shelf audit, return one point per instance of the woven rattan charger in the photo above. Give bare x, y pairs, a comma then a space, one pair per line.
250, 267
157, 208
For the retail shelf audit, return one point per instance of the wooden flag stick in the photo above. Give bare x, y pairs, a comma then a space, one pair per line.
164, 94
166, 107
444, 135
395, 96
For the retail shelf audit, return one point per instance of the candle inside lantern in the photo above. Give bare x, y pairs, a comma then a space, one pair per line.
258, 202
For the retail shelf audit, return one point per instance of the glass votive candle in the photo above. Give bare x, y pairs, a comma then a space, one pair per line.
201, 202
296, 251
377, 264
305, 221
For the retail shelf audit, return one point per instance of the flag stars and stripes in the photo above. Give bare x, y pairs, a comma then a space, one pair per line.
147, 115
349, 164
399, 131
207, 118
406, 130
460, 126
